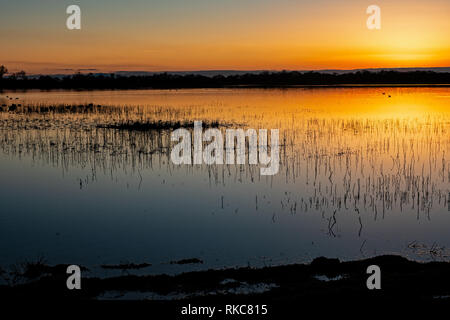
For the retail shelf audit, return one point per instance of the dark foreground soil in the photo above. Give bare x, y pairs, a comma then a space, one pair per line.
327, 284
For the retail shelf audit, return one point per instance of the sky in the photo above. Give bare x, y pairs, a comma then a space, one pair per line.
183, 35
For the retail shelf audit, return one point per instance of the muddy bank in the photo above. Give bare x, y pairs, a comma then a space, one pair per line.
323, 280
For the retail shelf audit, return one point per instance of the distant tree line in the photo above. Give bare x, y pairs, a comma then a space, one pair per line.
263, 79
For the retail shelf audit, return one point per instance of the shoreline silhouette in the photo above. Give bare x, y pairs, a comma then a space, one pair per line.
264, 80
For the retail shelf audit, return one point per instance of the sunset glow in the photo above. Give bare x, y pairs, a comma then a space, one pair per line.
213, 35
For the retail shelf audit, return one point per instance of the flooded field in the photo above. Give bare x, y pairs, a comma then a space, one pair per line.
87, 178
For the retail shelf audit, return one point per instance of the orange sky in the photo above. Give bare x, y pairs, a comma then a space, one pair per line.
238, 35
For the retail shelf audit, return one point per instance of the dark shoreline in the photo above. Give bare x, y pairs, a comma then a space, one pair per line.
283, 79
322, 280
243, 87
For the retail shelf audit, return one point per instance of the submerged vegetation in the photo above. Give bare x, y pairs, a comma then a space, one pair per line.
330, 165
345, 173
126, 266
157, 125
187, 261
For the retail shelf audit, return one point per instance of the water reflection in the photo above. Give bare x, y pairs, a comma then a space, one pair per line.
362, 172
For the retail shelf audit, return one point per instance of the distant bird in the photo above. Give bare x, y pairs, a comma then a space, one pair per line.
384, 93
389, 96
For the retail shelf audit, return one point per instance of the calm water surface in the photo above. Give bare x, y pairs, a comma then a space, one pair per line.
364, 171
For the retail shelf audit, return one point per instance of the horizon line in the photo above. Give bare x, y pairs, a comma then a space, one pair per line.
96, 71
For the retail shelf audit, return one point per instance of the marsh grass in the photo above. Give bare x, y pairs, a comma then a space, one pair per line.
330, 165
159, 125
31, 270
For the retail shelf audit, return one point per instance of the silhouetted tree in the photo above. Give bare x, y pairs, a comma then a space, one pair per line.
3, 71
262, 79
21, 75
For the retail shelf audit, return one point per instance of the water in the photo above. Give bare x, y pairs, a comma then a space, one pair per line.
364, 171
